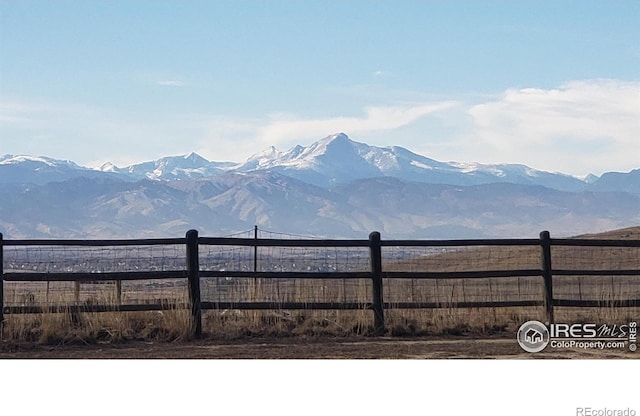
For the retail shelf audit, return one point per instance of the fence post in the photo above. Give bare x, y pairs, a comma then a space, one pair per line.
119, 292
375, 249
193, 275
254, 291
547, 275
255, 249
1, 282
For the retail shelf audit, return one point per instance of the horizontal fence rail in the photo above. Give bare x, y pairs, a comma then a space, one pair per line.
229, 273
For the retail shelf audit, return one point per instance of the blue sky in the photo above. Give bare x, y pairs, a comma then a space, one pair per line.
555, 85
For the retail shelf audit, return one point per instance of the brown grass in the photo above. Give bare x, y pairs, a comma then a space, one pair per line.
69, 327
173, 324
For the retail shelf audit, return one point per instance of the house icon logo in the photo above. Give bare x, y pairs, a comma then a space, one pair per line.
533, 336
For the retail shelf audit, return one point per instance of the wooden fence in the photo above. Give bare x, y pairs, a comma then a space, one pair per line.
375, 274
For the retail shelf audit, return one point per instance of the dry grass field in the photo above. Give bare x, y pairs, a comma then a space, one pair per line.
417, 333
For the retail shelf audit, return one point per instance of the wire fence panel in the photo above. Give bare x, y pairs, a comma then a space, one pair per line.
226, 258
245, 258
444, 259
450, 291
460, 258
284, 290
593, 272
79, 259
313, 259
595, 258
52, 259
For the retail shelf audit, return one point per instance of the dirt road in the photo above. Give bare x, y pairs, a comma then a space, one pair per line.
300, 348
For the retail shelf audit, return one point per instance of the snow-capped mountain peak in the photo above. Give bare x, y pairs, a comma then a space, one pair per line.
338, 159
191, 165
331, 160
334, 158
37, 160
39, 169
196, 159
269, 153
332, 187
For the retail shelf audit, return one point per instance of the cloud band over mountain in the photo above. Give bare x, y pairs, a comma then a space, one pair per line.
579, 127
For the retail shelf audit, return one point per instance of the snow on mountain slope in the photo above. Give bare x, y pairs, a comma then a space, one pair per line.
333, 160
334, 187
338, 159
39, 169
171, 167
36, 161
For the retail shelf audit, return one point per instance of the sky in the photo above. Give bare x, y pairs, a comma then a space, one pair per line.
554, 85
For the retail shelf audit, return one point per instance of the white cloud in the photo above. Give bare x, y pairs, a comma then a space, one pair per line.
577, 128
581, 126
381, 74
283, 129
89, 134
13, 113
170, 83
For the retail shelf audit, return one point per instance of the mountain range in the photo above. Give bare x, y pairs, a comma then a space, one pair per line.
335, 187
